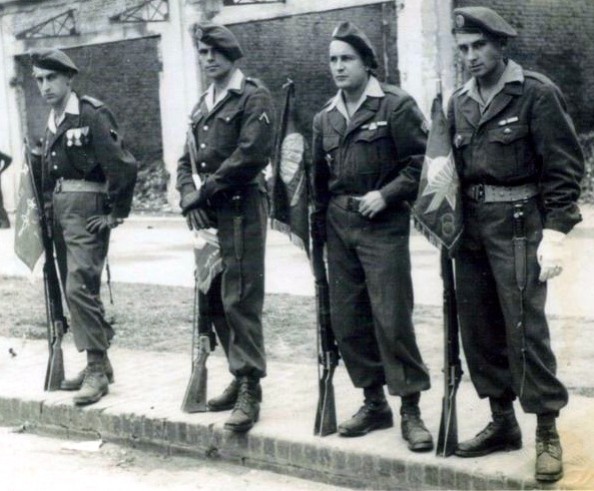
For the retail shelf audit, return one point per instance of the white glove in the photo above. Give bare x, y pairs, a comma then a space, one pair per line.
550, 254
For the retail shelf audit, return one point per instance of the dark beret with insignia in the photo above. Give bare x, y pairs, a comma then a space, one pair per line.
218, 37
53, 59
351, 34
483, 19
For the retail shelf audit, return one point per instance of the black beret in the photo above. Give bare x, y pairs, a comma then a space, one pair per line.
53, 59
218, 37
472, 19
351, 34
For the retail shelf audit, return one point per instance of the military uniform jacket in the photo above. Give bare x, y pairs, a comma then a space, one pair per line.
233, 141
381, 148
87, 146
524, 136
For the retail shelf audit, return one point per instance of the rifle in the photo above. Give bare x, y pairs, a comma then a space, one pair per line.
56, 321
325, 423
203, 342
448, 427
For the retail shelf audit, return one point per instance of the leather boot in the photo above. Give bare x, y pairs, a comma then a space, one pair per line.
76, 382
501, 434
228, 398
549, 456
95, 385
373, 415
413, 429
247, 408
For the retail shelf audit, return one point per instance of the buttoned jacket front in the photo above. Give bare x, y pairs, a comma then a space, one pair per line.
381, 148
524, 136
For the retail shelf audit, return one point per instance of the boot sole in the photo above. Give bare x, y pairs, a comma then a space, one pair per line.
420, 447
508, 447
243, 428
91, 400
383, 425
549, 477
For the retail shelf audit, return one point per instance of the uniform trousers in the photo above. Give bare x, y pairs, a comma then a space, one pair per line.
236, 297
505, 333
371, 299
81, 258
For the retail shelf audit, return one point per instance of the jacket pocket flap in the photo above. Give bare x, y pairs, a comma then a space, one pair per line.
508, 134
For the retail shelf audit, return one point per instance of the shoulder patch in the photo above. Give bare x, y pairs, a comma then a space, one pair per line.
92, 101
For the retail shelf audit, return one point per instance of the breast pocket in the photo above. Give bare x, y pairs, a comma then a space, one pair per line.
373, 149
506, 149
330, 144
228, 127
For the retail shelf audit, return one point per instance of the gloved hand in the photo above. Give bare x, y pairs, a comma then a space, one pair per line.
99, 223
550, 254
198, 219
190, 201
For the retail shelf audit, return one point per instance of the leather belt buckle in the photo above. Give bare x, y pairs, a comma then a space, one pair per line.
479, 192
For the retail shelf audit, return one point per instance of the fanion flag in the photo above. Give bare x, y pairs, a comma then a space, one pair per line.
289, 210
438, 209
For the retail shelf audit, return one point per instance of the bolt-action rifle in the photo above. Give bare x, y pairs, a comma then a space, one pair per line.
56, 321
325, 423
447, 439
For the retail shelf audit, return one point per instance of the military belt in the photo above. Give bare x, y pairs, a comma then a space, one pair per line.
79, 186
346, 202
487, 193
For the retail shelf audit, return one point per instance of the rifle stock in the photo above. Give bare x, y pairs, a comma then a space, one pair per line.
56, 321
325, 422
195, 398
447, 439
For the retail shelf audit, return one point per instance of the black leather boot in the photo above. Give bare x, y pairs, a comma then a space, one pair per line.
247, 408
412, 426
375, 414
501, 434
228, 398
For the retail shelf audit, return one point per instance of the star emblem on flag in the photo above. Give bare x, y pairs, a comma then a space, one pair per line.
442, 182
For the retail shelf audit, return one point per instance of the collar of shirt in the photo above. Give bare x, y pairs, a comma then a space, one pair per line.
373, 89
512, 73
72, 107
235, 83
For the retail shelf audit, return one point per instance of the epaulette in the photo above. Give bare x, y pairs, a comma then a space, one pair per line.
254, 81
96, 103
539, 76
392, 89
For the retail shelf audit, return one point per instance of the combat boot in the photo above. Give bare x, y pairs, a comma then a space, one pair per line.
501, 434
228, 398
247, 408
76, 382
375, 414
95, 385
412, 427
549, 456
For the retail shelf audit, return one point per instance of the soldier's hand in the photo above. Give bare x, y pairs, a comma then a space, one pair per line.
371, 204
550, 254
190, 201
197, 219
99, 223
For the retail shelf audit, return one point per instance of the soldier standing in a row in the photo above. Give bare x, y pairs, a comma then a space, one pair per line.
222, 185
369, 142
520, 166
87, 179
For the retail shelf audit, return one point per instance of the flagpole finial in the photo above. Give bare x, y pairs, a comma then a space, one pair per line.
288, 83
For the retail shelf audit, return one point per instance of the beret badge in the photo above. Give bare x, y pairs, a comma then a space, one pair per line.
459, 21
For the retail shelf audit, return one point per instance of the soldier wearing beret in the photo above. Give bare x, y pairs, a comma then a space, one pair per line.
221, 183
520, 166
87, 179
368, 146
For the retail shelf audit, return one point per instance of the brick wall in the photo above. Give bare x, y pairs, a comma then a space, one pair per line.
124, 75
556, 38
297, 47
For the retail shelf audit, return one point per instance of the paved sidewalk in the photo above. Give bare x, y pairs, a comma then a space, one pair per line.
142, 410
